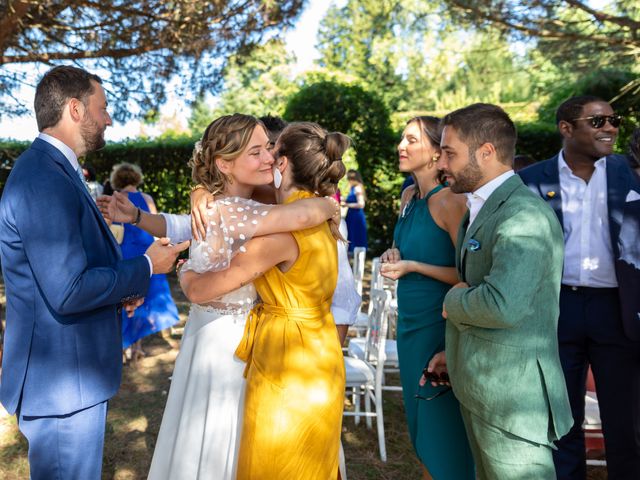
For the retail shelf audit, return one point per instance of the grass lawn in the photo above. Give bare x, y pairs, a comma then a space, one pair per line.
135, 415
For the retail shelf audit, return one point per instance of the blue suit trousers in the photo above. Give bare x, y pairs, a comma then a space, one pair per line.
66, 447
590, 333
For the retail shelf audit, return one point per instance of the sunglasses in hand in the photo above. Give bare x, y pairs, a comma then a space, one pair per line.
438, 378
598, 121
435, 377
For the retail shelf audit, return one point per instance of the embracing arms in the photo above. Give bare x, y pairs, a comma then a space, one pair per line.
294, 216
262, 253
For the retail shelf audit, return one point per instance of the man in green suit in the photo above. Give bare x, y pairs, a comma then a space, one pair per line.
501, 340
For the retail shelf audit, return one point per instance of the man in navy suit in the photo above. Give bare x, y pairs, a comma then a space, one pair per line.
65, 279
597, 199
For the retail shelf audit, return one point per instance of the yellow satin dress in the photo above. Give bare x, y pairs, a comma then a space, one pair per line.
295, 368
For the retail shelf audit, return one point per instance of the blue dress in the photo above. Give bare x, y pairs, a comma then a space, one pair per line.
435, 426
158, 310
356, 223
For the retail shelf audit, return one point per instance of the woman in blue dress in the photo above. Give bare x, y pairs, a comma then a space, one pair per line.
356, 221
158, 310
423, 260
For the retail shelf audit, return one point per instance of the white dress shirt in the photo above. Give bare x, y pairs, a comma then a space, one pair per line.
588, 255
66, 151
346, 301
73, 160
477, 199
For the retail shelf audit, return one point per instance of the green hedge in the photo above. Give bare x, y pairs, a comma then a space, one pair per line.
167, 177
538, 140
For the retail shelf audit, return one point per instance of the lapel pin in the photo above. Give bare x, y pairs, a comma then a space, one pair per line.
474, 245
551, 194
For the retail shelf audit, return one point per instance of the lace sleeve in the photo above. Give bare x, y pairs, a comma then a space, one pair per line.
231, 223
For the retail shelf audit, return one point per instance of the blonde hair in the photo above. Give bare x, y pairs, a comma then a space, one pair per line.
125, 174
225, 138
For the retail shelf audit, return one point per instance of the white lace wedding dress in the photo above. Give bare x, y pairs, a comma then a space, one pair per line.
200, 431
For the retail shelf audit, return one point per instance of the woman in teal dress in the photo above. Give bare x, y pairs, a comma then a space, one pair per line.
423, 261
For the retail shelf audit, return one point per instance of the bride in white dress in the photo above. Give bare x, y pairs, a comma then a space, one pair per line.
200, 428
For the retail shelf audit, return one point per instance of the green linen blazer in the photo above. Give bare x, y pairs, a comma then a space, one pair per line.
501, 338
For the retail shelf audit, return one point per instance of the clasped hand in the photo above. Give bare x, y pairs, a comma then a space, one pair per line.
392, 266
436, 371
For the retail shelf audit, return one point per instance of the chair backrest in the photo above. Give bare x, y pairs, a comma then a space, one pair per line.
359, 257
376, 337
377, 280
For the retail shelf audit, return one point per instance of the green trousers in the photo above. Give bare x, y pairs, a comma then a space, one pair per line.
499, 455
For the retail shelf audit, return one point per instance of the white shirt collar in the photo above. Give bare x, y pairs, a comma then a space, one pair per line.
64, 149
563, 166
485, 191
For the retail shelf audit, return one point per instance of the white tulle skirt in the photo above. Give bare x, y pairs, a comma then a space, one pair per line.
200, 431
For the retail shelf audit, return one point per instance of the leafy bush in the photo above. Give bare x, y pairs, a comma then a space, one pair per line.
164, 164
538, 140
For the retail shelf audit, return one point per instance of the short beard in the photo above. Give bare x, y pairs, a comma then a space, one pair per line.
470, 176
92, 137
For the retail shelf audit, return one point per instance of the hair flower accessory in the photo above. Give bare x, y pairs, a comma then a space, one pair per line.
474, 245
551, 194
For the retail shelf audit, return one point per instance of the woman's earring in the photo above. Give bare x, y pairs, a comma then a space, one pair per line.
277, 177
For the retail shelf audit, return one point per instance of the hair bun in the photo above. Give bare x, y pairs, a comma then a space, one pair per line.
335, 145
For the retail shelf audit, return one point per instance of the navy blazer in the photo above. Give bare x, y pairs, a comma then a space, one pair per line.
624, 225
64, 278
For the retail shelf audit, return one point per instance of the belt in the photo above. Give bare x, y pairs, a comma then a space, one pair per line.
589, 290
256, 317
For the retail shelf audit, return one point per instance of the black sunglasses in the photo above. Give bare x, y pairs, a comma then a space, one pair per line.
598, 121
436, 395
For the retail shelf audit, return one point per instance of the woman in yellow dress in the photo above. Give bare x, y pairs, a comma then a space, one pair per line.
295, 371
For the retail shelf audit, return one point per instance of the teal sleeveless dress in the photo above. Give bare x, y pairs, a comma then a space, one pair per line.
436, 428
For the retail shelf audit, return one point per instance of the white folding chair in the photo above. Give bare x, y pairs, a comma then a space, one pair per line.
362, 320
359, 258
365, 379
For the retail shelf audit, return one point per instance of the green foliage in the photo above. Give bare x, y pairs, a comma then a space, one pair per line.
256, 84
415, 58
164, 163
363, 116
538, 140
137, 46
167, 177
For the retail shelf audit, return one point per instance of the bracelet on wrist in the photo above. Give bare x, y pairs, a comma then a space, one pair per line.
138, 217
335, 203
197, 187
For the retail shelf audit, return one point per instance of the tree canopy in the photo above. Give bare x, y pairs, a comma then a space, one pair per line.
571, 33
135, 45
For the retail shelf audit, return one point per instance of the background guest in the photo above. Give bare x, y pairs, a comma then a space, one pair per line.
596, 197
356, 220
423, 259
158, 310
95, 188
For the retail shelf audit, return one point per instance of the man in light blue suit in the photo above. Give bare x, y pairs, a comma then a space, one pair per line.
65, 279
596, 197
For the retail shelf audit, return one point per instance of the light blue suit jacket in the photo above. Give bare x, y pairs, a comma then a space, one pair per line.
64, 278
